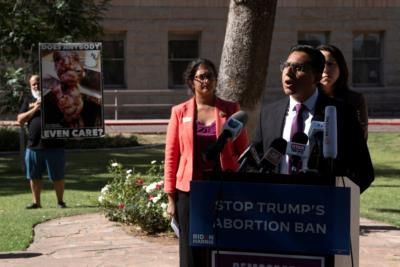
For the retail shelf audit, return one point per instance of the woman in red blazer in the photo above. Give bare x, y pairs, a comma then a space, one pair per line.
194, 125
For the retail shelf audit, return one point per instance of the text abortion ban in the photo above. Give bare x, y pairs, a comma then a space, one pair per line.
270, 225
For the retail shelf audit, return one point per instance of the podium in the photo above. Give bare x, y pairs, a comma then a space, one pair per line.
276, 220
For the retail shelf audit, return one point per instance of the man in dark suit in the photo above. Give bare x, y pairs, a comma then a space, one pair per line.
301, 73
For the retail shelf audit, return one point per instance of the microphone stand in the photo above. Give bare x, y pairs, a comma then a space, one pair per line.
217, 175
331, 166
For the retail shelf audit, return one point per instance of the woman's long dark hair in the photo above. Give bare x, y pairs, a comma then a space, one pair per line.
341, 85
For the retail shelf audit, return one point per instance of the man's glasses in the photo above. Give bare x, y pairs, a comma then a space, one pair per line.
294, 67
205, 76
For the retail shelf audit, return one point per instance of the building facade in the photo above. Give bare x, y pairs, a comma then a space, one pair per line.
148, 44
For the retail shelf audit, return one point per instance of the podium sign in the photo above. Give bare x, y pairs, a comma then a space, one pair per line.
239, 259
270, 217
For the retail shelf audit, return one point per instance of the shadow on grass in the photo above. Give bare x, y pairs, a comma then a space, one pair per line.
85, 170
82, 206
368, 229
389, 210
387, 171
385, 186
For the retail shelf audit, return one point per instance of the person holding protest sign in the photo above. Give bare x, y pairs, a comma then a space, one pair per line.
40, 153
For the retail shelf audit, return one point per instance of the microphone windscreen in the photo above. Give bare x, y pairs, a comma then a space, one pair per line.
240, 116
231, 129
300, 138
330, 133
234, 124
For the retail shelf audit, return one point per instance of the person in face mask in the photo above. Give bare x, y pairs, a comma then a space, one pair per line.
41, 154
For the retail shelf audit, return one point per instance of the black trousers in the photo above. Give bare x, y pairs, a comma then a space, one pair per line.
188, 256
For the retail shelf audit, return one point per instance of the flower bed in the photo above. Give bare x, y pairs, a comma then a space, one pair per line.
135, 198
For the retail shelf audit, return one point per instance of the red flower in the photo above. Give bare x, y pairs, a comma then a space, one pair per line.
139, 181
121, 206
158, 186
151, 198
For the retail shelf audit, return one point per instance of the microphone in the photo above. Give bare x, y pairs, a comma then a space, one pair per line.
231, 130
315, 151
330, 133
297, 149
315, 135
273, 156
249, 160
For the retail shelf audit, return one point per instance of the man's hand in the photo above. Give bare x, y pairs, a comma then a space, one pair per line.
35, 105
22, 118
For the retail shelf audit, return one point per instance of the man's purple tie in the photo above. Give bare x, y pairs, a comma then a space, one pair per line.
298, 122
297, 126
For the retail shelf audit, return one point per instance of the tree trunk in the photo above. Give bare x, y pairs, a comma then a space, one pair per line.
244, 60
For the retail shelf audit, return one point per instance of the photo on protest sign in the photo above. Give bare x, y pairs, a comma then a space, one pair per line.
72, 90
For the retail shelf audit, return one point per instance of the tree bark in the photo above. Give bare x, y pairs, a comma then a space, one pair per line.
245, 55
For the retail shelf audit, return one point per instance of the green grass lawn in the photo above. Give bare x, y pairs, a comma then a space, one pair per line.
87, 174
382, 200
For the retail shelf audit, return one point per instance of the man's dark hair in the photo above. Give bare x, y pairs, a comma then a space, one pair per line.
192, 67
317, 59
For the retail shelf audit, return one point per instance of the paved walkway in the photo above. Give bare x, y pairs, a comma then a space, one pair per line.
92, 240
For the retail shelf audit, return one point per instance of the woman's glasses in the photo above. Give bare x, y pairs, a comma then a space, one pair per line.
204, 76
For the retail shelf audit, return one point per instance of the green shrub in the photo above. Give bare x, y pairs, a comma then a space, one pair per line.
13, 91
135, 198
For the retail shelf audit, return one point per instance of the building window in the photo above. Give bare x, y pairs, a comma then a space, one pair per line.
114, 61
182, 49
313, 38
367, 58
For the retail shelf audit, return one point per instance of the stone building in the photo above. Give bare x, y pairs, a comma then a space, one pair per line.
149, 42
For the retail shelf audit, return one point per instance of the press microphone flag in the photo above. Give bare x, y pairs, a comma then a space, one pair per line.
316, 126
297, 149
231, 130
330, 133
